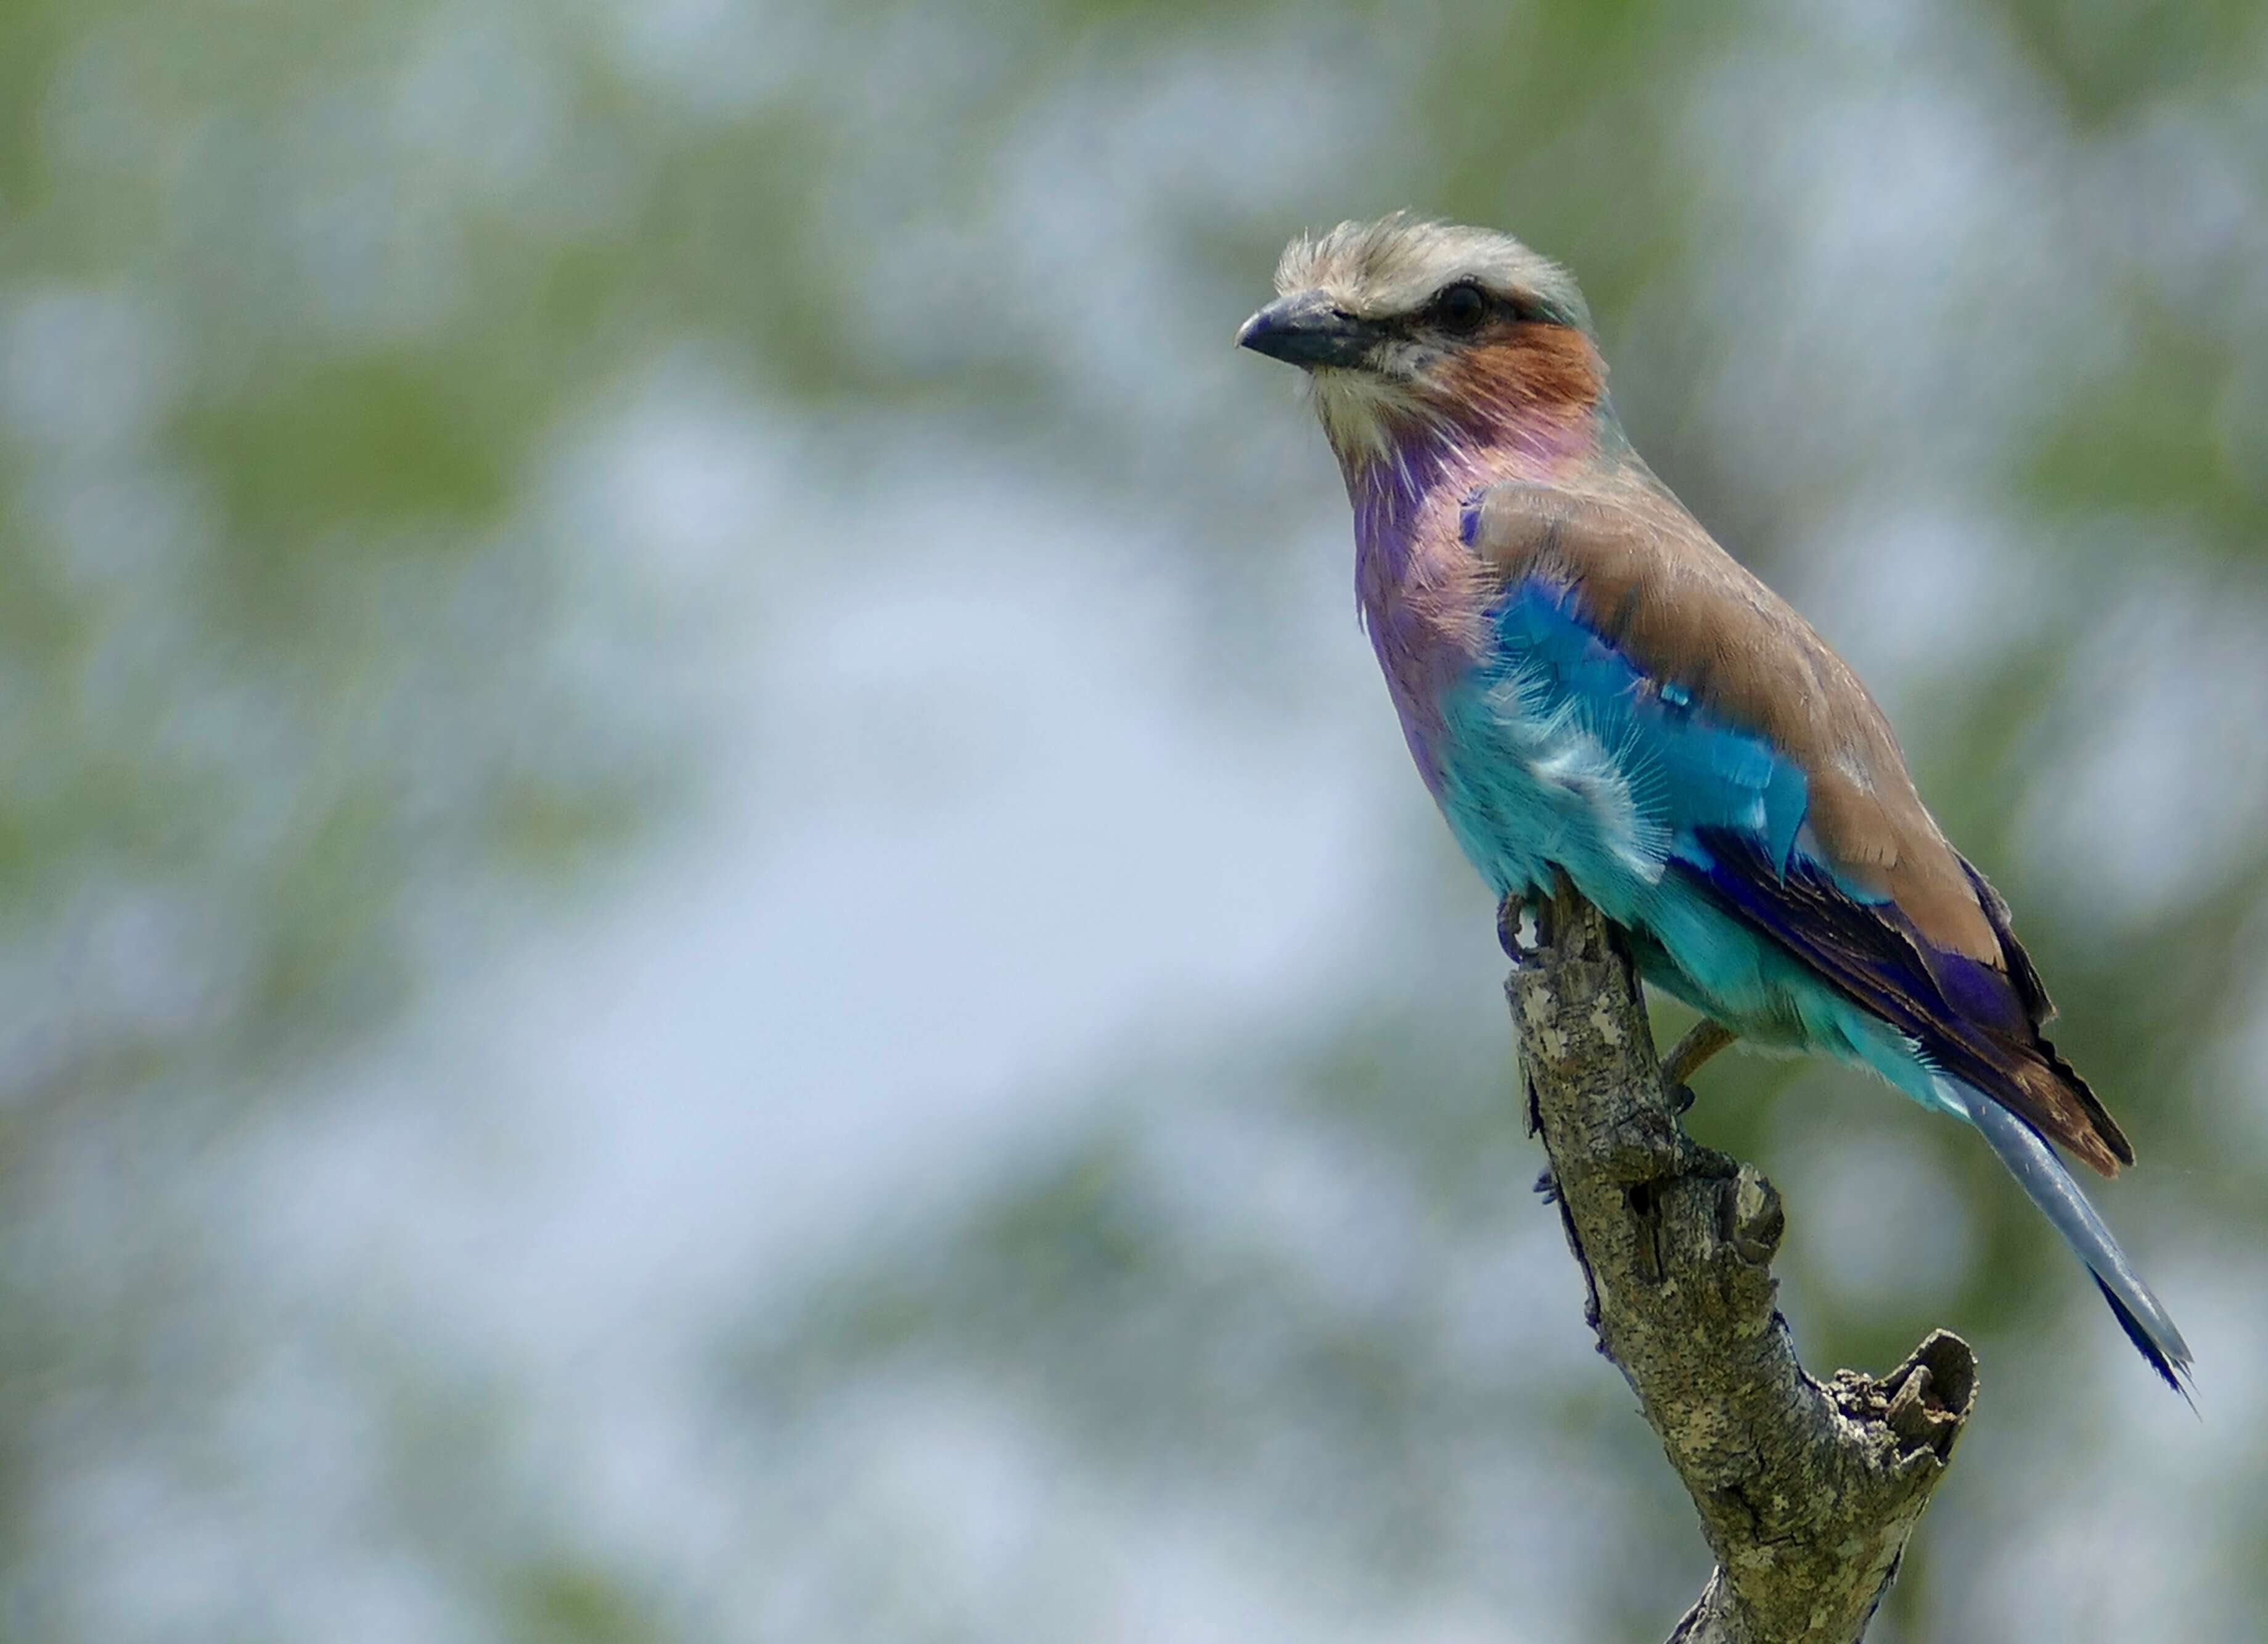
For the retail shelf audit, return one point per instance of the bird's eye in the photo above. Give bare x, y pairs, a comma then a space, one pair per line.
1461, 306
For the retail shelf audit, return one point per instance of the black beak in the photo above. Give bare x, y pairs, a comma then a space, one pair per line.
1305, 329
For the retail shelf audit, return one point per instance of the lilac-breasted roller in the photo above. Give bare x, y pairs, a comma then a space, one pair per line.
1591, 686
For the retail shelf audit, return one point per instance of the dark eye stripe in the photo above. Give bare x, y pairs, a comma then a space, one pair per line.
1464, 306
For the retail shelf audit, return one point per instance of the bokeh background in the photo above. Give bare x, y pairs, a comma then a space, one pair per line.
711, 927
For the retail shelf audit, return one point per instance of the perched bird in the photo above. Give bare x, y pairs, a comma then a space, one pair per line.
1591, 686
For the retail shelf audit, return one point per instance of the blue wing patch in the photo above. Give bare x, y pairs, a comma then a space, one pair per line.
1688, 772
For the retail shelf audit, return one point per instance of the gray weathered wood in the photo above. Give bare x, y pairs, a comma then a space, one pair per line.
1806, 1491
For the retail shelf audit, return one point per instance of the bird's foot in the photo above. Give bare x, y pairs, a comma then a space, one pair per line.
1547, 1186
1520, 928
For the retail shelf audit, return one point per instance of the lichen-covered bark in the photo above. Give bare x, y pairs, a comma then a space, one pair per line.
1806, 1491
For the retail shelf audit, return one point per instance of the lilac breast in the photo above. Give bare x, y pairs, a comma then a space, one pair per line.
1423, 596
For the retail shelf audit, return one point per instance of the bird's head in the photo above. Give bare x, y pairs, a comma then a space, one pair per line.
1409, 328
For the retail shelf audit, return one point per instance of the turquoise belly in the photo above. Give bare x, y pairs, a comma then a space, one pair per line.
1534, 781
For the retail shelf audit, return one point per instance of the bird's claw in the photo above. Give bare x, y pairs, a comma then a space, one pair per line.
1519, 928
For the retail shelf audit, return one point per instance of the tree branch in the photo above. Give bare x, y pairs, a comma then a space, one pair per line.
1806, 1492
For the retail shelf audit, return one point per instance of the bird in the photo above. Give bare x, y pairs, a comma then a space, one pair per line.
1594, 690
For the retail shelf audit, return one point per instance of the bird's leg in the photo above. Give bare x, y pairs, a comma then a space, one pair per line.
1702, 1040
